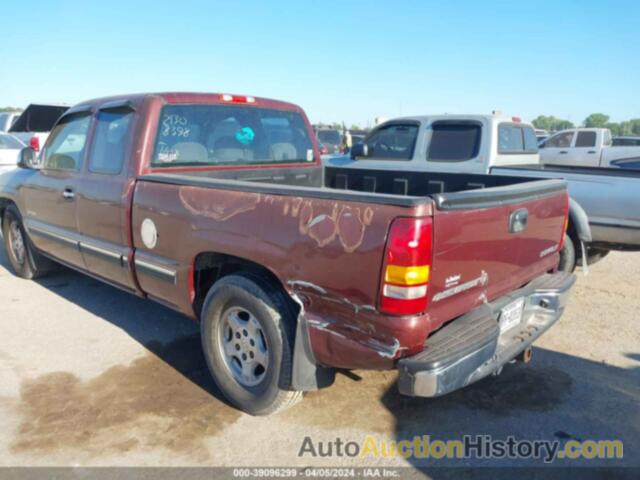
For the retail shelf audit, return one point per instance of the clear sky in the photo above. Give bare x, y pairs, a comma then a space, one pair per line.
340, 60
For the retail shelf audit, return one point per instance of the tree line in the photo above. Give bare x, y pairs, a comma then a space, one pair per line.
595, 120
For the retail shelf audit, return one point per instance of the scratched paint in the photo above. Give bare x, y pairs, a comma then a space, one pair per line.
219, 207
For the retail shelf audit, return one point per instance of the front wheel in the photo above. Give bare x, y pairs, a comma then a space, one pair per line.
26, 262
247, 336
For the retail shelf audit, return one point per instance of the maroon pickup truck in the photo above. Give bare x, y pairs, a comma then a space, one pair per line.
217, 206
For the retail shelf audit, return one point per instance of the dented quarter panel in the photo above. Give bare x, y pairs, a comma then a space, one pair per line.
327, 253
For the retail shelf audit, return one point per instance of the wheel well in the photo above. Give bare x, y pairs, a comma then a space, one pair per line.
4, 203
210, 267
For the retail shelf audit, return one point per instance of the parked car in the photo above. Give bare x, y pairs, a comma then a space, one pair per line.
10, 148
187, 200
7, 119
33, 125
625, 141
330, 138
603, 215
584, 147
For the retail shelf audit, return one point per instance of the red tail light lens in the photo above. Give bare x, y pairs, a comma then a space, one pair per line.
407, 266
34, 143
237, 98
565, 226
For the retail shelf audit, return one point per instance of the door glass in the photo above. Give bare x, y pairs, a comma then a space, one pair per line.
108, 146
562, 140
65, 148
586, 139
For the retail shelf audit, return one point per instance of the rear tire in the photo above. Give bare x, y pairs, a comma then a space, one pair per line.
567, 255
248, 337
26, 262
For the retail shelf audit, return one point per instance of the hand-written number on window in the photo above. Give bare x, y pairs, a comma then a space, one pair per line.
175, 126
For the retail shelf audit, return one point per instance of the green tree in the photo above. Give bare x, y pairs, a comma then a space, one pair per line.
596, 120
551, 123
10, 109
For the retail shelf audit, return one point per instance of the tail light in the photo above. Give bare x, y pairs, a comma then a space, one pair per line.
34, 143
237, 98
407, 266
565, 226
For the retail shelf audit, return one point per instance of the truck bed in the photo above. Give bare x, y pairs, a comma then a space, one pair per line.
476, 258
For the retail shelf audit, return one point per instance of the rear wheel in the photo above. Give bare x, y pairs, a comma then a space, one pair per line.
26, 262
567, 255
247, 336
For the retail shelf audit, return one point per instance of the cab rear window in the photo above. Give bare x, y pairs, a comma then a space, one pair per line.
516, 139
201, 135
454, 141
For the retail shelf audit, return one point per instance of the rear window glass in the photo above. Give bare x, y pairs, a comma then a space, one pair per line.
38, 118
530, 140
454, 142
329, 137
510, 139
516, 139
393, 142
200, 135
586, 139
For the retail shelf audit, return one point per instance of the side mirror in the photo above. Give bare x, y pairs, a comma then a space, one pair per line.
359, 150
28, 158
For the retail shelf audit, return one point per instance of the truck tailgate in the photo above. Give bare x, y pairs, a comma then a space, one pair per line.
491, 241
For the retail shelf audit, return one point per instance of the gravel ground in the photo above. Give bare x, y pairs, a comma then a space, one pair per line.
93, 376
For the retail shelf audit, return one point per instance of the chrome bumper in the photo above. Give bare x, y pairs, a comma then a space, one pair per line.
472, 346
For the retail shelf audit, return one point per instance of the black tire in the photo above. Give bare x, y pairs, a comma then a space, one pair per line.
252, 297
29, 264
567, 255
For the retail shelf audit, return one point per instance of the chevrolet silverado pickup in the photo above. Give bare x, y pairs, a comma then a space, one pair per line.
217, 206
603, 213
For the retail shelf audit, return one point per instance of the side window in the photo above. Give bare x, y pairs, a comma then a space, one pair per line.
65, 147
393, 142
109, 143
454, 142
562, 140
586, 139
510, 139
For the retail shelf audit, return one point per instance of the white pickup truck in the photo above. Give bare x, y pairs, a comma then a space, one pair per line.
603, 211
585, 147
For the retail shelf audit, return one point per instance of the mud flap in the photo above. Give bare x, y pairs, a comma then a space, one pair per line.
585, 264
307, 375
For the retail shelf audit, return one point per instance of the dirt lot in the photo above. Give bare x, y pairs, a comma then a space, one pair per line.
93, 376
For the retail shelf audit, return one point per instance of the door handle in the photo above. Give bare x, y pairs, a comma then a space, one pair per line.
68, 194
591, 151
563, 152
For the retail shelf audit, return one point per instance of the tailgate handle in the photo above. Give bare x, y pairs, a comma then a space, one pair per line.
518, 220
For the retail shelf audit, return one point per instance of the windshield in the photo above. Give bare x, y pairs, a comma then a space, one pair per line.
199, 135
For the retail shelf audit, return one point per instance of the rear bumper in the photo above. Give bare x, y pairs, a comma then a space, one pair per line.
472, 346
